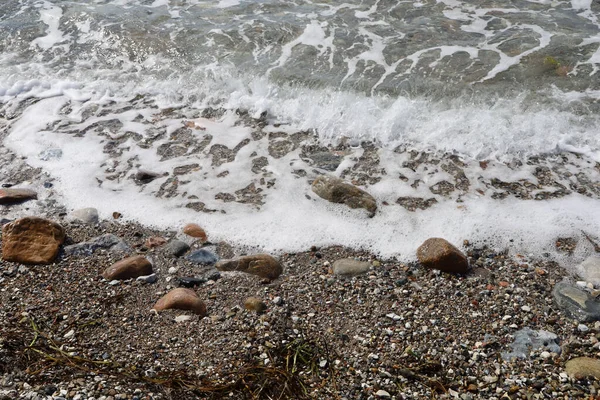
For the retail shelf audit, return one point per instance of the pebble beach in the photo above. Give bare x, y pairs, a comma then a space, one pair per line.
328, 322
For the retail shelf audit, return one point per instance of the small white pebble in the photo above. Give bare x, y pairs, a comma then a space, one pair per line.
69, 334
545, 354
506, 317
172, 270
582, 328
526, 308
382, 393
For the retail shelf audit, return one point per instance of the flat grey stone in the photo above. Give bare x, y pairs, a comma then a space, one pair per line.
528, 339
88, 216
589, 270
176, 248
109, 242
350, 267
576, 303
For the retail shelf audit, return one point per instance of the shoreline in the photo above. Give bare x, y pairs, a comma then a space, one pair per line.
399, 329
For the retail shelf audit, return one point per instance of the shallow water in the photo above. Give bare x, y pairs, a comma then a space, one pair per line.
483, 80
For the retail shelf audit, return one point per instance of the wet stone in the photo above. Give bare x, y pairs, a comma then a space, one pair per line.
335, 190
576, 303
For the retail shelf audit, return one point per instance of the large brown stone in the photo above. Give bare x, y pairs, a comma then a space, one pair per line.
439, 254
255, 304
194, 230
262, 265
14, 196
583, 367
181, 299
130, 267
336, 190
31, 240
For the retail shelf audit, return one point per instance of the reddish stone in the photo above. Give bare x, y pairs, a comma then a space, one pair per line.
31, 240
194, 230
130, 267
440, 254
181, 299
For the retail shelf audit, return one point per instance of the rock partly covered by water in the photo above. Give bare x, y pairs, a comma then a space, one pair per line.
350, 267
87, 216
109, 242
31, 240
130, 267
576, 303
262, 265
15, 196
583, 367
336, 190
181, 299
440, 254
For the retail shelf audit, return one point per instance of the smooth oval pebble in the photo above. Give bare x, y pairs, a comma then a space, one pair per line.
194, 230
255, 304
130, 267
181, 299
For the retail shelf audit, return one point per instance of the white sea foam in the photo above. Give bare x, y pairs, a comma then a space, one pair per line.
351, 44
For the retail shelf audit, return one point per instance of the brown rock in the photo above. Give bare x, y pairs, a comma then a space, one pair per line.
439, 254
255, 304
336, 190
14, 196
31, 240
181, 299
130, 267
262, 265
583, 367
194, 230
155, 241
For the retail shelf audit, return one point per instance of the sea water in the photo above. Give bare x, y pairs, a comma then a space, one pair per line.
91, 90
